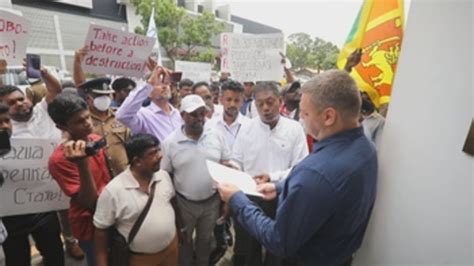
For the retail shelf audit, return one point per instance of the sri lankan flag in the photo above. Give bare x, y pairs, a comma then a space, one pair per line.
378, 30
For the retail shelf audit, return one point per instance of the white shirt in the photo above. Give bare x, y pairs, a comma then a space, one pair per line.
229, 133
218, 110
252, 111
121, 202
259, 149
186, 159
40, 124
373, 127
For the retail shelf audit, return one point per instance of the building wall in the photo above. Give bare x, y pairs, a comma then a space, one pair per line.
424, 209
56, 35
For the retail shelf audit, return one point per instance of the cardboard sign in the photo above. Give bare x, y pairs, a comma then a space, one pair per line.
249, 57
116, 52
28, 187
14, 31
194, 71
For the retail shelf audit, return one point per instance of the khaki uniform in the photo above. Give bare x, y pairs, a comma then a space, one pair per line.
115, 134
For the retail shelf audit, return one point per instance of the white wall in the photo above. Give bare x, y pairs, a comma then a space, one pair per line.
424, 210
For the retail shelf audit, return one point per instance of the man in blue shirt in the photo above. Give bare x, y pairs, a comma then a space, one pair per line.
325, 203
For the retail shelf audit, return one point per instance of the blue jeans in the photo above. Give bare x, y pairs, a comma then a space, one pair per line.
88, 248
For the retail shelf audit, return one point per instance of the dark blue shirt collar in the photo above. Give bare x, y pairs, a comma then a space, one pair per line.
349, 134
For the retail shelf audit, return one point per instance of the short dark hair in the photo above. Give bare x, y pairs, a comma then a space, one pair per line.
137, 145
64, 106
199, 84
122, 84
3, 108
267, 86
7, 89
215, 86
186, 83
232, 85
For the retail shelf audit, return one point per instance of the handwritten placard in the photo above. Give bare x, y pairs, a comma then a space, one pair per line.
249, 57
194, 71
13, 37
116, 52
28, 187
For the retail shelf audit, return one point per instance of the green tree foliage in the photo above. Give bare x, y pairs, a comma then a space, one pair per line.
181, 35
306, 52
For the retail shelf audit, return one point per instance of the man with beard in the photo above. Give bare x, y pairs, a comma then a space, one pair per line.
231, 120
325, 204
159, 118
124, 199
266, 148
185, 153
30, 121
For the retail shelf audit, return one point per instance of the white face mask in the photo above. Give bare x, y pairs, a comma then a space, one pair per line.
102, 103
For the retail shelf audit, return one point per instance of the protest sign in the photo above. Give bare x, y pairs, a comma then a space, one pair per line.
28, 187
14, 31
194, 71
250, 57
116, 52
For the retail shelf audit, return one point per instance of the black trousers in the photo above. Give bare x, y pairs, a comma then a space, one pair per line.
45, 230
248, 251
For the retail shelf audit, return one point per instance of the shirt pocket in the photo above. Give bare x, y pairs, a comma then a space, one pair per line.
282, 151
120, 133
212, 149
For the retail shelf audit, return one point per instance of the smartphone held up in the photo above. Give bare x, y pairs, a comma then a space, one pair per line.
33, 66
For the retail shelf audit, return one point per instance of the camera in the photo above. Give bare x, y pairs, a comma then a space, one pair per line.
93, 147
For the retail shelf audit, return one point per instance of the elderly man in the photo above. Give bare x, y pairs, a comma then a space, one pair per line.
185, 153
325, 203
159, 118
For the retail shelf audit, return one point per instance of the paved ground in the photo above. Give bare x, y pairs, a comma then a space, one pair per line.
36, 261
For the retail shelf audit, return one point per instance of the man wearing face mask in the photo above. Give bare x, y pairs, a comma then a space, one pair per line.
99, 97
159, 118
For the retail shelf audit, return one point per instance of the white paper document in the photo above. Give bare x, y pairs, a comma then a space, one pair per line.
224, 174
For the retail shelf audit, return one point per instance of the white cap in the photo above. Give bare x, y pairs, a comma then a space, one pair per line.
191, 102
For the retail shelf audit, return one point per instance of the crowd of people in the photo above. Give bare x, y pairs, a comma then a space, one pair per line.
133, 161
